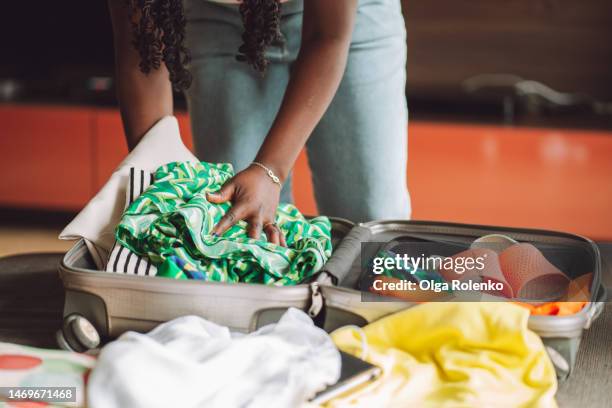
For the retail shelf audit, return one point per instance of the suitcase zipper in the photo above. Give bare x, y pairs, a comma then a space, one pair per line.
316, 300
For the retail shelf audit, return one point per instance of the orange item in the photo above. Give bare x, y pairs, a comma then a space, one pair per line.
577, 298
554, 308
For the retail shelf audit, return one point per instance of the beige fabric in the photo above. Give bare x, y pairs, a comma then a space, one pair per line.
97, 221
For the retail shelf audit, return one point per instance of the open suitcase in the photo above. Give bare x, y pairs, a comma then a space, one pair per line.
115, 303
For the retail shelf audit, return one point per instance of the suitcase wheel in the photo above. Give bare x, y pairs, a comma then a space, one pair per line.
77, 334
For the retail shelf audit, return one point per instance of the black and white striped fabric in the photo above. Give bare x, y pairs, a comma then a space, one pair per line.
121, 259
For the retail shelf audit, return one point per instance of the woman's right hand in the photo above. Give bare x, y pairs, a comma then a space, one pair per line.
254, 197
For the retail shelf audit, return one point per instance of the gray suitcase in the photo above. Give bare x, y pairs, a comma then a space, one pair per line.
115, 303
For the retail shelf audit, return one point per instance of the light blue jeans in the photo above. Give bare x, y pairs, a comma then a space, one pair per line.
358, 151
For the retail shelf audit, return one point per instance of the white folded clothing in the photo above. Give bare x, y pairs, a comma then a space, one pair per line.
192, 362
96, 223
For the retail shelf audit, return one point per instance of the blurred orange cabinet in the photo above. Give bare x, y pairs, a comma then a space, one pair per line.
46, 156
58, 157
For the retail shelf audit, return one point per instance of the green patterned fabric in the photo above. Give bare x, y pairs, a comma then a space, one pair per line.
171, 224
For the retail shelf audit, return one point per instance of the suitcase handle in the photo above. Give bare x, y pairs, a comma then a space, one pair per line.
339, 265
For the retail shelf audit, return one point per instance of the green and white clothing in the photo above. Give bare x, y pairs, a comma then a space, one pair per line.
171, 224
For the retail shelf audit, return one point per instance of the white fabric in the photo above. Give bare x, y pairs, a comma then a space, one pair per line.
98, 254
192, 362
97, 221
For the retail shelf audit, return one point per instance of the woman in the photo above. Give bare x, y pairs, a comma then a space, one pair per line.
263, 79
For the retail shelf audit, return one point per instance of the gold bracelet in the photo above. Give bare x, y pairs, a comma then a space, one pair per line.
270, 173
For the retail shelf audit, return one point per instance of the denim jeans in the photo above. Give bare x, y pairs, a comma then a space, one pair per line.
358, 151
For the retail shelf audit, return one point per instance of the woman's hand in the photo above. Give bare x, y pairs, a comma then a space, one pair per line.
254, 198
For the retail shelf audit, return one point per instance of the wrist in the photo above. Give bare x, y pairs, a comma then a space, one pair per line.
276, 168
269, 173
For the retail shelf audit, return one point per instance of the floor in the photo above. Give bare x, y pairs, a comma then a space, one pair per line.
28, 231
19, 240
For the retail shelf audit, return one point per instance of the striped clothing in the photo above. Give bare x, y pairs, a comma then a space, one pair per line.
121, 259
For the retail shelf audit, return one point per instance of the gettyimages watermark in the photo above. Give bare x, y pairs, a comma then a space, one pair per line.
451, 271
415, 265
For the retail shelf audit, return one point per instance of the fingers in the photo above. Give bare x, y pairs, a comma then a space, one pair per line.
232, 216
246, 206
222, 196
255, 226
272, 233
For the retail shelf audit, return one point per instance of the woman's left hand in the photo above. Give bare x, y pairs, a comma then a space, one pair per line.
254, 198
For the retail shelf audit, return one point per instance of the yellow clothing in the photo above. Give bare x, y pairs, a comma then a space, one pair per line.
451, 355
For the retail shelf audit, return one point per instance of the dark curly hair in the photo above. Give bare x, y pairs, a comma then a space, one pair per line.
158, 28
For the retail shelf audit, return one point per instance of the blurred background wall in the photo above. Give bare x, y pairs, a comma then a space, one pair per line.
510, 101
